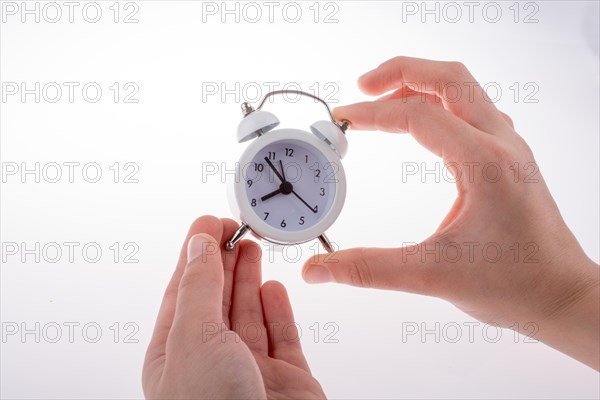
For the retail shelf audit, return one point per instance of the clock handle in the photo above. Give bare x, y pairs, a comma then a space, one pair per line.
237, 236
326, 243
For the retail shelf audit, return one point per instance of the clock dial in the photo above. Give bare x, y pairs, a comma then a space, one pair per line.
290, 184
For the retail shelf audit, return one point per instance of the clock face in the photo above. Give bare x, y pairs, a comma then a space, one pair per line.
290, 184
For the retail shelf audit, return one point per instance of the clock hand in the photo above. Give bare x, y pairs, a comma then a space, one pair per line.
281, 178
305, 203
282, 170
274, 193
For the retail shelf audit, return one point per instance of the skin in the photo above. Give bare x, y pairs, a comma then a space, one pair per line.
551, 287
219, 333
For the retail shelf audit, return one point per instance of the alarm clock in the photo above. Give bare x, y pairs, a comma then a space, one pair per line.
289, 185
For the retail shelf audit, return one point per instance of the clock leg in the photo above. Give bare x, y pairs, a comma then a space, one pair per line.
326, 243
237, 236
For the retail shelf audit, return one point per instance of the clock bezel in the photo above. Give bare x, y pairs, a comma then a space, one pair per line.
254, 222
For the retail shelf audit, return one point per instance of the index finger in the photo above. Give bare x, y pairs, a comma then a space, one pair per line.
451, 81
435, 128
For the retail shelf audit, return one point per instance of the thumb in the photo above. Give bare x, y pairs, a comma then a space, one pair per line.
200, 294
396, 269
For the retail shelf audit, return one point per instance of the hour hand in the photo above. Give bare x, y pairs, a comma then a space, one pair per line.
273, 193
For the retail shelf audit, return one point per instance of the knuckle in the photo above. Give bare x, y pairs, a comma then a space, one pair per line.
188, 280
397, 60
457, 69
398, 118
359, 273
508, 119
524, 147
194, 277
501, 153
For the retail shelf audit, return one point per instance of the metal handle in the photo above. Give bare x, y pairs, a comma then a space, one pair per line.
247, 108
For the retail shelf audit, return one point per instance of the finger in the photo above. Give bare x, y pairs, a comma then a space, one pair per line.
451, 81
394, 269
284, 339
246, 311
435, 128
229, 260
405, 92
200, 293
156, 349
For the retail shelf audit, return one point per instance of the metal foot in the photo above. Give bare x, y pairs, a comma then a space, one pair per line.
237, 236
326, 243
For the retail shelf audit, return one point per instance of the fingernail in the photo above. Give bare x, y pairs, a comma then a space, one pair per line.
318, 274
197, 246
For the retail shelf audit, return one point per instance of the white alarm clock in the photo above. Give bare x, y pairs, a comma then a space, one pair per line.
290, 185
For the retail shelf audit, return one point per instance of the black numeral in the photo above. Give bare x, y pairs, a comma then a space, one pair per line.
315, 167
306, 159
301, 222
259, 167
322, 193
289, 152
253, 202
283, 224
249, 182
271, 155
266, 216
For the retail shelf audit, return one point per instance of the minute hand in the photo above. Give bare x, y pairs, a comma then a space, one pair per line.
281, 178
305, 203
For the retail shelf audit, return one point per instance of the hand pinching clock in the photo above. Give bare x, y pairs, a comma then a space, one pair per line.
291, 185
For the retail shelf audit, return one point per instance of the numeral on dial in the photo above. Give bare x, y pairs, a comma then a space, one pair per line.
315, 167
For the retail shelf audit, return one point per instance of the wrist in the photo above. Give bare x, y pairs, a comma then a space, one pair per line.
569, 319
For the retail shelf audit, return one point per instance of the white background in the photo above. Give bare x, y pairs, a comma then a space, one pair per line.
171, 54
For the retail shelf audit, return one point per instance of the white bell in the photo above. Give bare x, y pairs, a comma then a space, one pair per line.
331, 134
254, 122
